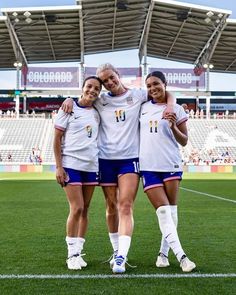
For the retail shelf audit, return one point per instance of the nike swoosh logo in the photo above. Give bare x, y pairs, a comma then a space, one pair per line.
104, 104
144, 113
171, 173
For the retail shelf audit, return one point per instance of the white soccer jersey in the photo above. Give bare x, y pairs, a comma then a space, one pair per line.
79, 143
118, 136
159, 150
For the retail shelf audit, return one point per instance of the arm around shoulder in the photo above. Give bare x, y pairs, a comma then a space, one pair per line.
67, 105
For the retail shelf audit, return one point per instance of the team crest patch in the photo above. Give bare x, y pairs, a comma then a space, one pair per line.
129, 100
89, 131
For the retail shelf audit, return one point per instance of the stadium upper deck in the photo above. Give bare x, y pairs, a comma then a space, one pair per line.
165, 29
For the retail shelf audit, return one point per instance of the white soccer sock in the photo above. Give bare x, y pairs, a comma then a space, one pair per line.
80, 244
169, 231
124, 245
164, 244
72, 246
114, 239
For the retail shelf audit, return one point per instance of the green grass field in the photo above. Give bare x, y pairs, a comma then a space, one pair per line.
32, 221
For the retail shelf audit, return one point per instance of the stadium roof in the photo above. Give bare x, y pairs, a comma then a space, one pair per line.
164, 29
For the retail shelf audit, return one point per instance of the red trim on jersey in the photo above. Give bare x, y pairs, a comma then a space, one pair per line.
181, 121
60, 128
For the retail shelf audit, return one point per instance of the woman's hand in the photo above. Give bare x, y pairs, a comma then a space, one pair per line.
61, 176
67, 105
171, 117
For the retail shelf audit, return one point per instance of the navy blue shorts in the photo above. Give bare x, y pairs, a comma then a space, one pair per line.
155, 179
76, 177
110, 170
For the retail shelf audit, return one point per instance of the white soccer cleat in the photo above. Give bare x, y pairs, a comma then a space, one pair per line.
119, 265
112, 259
186, 264
73, 262
81, 261
162, 260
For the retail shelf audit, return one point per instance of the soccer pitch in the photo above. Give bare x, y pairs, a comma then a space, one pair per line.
33, 251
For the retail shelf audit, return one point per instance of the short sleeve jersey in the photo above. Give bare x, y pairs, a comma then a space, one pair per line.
79, 143
159, 150
119, 129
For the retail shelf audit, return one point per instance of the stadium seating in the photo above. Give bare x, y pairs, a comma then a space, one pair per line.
19, 137
209, 140
213, 140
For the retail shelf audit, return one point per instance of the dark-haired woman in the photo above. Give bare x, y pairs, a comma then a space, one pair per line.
160, 164
76, 155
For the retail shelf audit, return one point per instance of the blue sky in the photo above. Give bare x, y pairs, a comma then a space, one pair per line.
128, 58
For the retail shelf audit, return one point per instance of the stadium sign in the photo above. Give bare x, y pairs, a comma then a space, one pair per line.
182, 78
56, 77
68, 77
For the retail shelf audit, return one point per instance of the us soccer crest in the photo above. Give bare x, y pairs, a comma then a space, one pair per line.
89, 131
129, 100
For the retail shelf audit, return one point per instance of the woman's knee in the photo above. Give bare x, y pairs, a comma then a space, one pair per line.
125, 207
111, 208
76, 211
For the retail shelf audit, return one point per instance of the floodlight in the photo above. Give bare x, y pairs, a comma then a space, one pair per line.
207, 20
208, 66
210, 13
27, 14
17, 64
28, 20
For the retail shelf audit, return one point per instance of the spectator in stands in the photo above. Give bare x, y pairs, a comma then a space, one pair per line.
31, 158
0, 158
37, 154
227, 114
53, 115
118, 153
191, 114
160, 164
201, 114
197, 113
9, 157
76, 154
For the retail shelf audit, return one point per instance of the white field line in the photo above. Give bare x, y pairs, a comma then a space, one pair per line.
208, 195
125, 276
